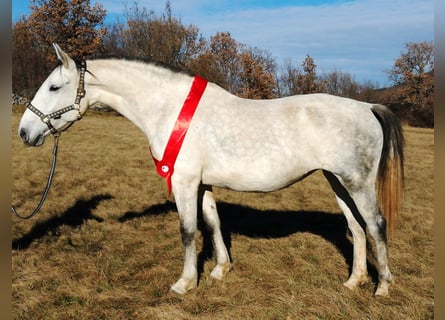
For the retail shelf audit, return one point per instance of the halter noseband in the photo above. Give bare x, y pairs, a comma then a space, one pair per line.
46, 118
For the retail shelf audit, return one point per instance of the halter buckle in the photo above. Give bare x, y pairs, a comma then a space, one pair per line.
45, 119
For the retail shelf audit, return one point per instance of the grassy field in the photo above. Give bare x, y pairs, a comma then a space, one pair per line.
106, 244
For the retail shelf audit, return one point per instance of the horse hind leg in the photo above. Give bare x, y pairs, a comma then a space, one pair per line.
213, 223
359, 270
376, 224
377, 229
364, 204
359, 274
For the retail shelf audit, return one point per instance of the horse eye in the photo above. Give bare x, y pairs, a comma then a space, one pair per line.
54, 88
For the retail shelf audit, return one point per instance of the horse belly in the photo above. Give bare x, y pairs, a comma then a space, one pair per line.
260, 175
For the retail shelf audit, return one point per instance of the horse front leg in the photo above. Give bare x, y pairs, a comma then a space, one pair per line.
186, 203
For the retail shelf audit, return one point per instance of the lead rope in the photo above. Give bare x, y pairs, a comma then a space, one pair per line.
48, 183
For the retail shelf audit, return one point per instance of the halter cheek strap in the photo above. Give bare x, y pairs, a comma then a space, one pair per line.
165, 166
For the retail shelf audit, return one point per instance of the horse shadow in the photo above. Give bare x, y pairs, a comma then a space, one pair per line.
254, 223
157, 209
73, 217
235, 219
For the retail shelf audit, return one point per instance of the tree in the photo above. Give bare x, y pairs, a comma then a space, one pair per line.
341, 84
205, 66
225, 52
257, 78
289, 79
158, 38
369, 91
246, 72
28, 69
308, 79
300, 81
75, 25
412, 70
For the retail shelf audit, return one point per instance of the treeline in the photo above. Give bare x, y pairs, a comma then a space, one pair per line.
245, 71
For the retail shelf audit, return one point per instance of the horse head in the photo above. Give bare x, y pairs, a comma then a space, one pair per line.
52, 109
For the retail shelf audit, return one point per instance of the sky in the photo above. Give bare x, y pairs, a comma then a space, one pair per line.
360, 37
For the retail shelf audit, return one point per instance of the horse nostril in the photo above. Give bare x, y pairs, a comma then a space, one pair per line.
23, 135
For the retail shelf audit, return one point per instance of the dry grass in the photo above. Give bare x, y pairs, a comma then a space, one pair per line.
106, 244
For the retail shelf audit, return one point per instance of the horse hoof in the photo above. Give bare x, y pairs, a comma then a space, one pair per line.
349, 285
353, 283
220, 271
184, 285
382, 290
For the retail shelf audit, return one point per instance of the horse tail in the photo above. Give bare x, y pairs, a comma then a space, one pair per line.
390, 172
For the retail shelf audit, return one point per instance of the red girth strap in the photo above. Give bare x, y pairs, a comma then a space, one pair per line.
165, 167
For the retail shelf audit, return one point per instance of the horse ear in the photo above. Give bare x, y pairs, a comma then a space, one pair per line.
67, 62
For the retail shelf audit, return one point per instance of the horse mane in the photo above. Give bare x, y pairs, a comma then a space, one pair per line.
109, 56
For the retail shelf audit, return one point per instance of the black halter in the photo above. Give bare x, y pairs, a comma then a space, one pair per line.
46, 118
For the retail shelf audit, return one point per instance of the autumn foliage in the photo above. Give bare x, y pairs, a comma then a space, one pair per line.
248, 72
75, 25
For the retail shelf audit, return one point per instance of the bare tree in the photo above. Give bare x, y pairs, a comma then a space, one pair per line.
369, 92
288, 81
294, 80
341, 84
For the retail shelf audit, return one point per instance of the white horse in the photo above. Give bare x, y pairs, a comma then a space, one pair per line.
241, 144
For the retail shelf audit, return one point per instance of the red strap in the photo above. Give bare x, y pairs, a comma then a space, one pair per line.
165, 167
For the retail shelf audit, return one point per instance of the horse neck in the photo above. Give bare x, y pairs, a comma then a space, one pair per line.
149, 96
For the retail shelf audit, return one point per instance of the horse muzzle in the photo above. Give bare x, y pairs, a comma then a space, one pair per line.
33, 140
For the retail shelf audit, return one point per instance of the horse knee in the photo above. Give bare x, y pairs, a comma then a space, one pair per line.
187, 235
